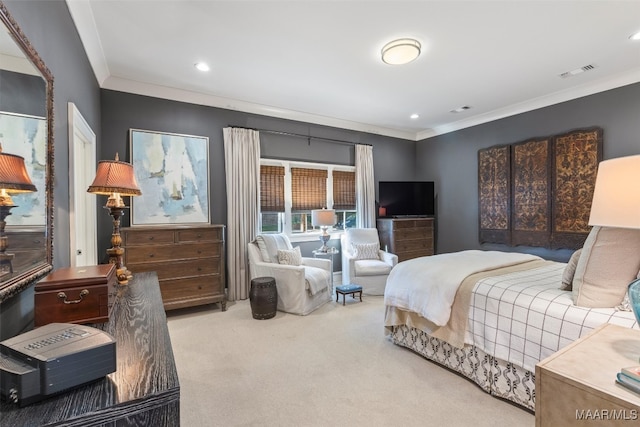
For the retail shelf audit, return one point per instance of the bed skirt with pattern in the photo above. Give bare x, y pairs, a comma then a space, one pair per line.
495, 376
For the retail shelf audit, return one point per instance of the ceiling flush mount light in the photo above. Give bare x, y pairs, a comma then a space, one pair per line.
202, 66
401, 51
414, 116
635, 36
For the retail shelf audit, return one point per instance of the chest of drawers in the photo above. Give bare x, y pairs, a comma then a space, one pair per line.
189, 262
406, 237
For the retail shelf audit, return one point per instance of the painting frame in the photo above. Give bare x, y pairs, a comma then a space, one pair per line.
172, 171
26, 136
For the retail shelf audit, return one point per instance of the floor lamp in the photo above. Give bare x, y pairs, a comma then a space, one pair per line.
116, 179
13, 179
616, 203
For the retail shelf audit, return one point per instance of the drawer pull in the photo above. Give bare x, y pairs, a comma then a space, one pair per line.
150, 255
63, 297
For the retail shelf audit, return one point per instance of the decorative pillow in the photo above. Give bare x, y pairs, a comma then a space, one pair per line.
366, 250
290, 257
570, 270
609, 261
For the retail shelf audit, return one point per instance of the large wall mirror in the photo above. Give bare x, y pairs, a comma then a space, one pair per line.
26, 130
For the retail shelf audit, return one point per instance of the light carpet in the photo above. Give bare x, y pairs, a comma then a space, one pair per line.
334, 367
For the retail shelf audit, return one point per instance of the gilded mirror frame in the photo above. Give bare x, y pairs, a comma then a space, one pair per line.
16, 284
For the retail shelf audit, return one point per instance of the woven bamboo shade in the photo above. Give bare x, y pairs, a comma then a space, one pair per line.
344, 190
272, 188
308, 189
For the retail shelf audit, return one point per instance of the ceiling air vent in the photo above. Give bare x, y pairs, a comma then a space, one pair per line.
577, 71
460, 109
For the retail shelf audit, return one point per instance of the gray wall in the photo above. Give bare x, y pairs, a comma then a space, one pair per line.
393, 158
49, 28
451, 160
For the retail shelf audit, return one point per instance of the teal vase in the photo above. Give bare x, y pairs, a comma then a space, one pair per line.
634, 298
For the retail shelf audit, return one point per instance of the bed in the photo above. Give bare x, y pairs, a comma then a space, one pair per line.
491, 316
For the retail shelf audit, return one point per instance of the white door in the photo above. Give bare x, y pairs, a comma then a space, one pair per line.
82, 205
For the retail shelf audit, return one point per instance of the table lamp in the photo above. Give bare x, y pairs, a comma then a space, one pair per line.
616, 203
13, 179
323, 218
116, 179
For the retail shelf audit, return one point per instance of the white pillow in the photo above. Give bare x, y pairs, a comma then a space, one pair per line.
609, 261
366, 250
290, 257
570, 270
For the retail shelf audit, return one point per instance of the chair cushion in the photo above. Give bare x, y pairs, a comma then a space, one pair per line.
609, 261
371, 267
290, 257
362, 235
269, 245
366, 250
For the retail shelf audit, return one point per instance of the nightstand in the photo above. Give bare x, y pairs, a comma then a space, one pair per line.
577, 385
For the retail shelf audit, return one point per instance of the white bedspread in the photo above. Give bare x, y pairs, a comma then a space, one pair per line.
428, 285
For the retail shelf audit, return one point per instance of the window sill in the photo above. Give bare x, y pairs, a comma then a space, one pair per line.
298, 238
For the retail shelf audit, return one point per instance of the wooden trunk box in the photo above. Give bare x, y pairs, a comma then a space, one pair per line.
76, 295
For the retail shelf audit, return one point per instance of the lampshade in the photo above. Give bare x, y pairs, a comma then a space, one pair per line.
114, 176
616, 196
323, 217
401, 51
13, 174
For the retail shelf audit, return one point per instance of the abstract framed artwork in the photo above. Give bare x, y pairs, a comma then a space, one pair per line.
26, 136
172, 171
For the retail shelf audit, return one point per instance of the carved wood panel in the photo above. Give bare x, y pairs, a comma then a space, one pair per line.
575, 165
531, 194
494, 194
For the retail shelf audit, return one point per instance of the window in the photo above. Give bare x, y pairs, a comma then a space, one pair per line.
289, 191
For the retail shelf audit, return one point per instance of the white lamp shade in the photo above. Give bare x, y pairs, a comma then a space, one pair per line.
616, 196
323, 217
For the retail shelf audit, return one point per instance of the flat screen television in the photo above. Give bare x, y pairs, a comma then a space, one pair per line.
399, 199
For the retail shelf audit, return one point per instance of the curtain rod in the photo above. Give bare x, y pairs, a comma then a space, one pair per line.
307, 137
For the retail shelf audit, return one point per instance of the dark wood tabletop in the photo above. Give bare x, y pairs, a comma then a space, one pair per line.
143, 391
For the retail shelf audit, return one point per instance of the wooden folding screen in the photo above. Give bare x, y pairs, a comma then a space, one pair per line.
575, 166
494, 194
531, 192
538, 192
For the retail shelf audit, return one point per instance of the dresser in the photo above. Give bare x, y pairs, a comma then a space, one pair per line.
576, 386
406, 237
143, 391
189, 261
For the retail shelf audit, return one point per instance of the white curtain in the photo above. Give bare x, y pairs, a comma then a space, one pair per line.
242, 167
365, 187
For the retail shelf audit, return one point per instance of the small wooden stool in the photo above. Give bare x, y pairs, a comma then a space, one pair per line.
345, 290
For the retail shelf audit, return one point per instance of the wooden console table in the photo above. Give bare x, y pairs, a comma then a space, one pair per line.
144, 390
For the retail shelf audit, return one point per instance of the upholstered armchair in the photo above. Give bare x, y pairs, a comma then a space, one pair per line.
303, 284
363, 263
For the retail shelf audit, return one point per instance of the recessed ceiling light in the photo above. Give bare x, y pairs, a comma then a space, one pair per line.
414, 116
401, 51
202, 66
635, 36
